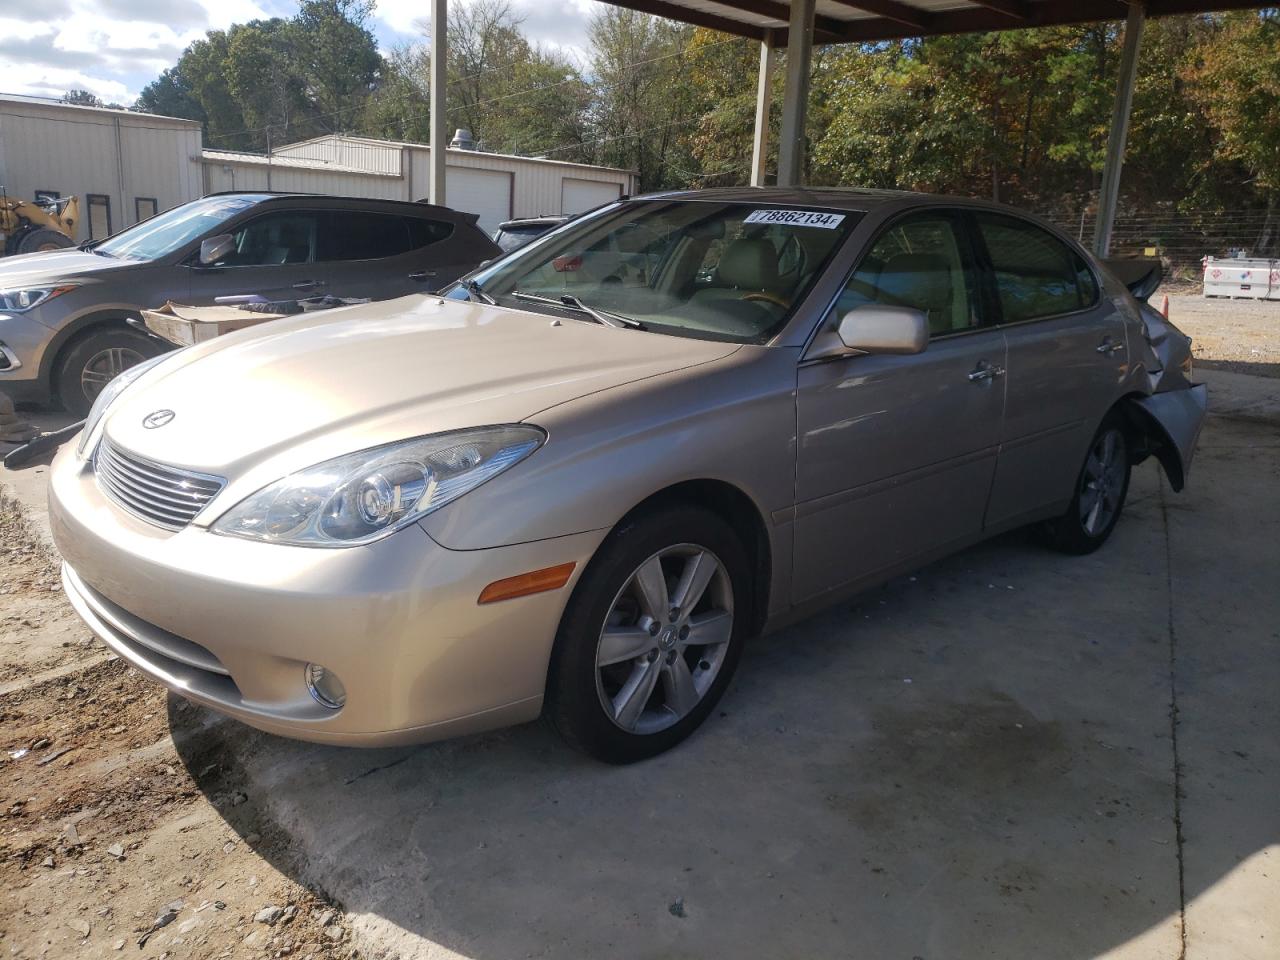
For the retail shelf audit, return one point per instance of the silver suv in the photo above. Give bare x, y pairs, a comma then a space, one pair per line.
63, 314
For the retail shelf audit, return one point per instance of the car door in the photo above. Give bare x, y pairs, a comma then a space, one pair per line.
371, 254
896, 453
1067, 360
274, 256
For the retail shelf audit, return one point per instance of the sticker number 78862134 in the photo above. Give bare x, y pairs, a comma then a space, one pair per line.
796, 218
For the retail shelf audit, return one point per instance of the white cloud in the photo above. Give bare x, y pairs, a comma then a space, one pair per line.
409, 17
110, 47
115, 47
562, 25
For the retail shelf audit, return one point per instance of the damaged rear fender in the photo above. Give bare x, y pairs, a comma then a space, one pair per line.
1167, 426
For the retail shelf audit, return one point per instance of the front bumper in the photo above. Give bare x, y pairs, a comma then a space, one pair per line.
22, 343
231, 623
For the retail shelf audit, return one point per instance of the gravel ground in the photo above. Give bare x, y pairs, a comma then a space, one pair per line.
1242, 336
125, 826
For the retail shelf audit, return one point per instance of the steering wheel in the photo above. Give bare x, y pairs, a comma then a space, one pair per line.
768, 298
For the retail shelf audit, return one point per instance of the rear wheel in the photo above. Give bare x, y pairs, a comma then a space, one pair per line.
95, 360
650, 638
1100, 492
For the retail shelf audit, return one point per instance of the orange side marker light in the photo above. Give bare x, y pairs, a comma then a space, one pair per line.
535, 581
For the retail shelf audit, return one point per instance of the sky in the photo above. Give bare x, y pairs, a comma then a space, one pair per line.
114, 48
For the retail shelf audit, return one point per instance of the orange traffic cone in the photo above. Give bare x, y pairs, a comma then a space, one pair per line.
1164, 307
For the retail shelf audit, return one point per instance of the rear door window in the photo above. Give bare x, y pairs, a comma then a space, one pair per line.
1036, 274
359, 235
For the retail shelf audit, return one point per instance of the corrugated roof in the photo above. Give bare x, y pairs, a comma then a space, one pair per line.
302, 163
860, 21
22, 99
452, 151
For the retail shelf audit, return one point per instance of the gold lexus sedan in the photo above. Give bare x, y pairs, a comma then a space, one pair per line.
577, 482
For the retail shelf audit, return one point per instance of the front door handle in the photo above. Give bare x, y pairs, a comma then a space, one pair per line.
985, 371
422, 276
308, 284
1109, 346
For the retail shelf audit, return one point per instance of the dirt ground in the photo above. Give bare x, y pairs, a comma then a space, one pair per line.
1242, 336
111, 837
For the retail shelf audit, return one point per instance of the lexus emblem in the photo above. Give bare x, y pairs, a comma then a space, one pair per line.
158, 419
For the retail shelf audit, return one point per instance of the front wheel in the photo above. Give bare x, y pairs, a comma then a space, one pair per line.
1100, 492
651, 635
95, 360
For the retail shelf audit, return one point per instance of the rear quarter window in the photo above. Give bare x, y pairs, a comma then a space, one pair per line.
424, 232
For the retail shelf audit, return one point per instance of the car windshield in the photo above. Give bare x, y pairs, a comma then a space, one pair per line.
173, 229
701, 268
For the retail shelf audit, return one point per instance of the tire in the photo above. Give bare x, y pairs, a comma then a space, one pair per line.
680, 686
42, 238
1101, 488
91, 361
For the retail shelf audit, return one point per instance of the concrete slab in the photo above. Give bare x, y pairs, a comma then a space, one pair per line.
974, 761
1225, 634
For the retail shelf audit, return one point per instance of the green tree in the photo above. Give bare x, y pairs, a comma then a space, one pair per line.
335, 56
644, 108
81, 98
262, 78
169, 95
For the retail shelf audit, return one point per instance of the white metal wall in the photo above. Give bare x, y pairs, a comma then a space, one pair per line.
376, 156
81, 151
578, 195
537, 185
223, 173
493, 186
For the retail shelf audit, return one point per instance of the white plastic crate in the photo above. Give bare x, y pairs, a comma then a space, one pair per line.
1248, 278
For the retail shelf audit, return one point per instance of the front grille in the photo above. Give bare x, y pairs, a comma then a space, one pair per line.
166, 496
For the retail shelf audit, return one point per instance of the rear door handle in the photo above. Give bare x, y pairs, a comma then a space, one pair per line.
421, 276
308, 284
985, 371
1109, 346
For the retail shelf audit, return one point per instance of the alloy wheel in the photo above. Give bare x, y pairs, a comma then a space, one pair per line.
1102, 483
664, 639
104, 366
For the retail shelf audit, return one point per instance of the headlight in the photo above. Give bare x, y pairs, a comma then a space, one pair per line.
108, 397
19, 299
364, 496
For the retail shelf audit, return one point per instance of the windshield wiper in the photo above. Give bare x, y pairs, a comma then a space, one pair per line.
573, 303
476, 294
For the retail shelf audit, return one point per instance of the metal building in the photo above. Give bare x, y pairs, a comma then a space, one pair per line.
128, 166
123, 166
495, 186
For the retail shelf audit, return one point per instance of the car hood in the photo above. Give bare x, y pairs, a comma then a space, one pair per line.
28, 268
255, 405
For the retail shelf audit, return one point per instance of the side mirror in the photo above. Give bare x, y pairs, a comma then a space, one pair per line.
879, 329
216, 248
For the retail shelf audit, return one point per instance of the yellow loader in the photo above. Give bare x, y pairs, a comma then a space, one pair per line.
27, 226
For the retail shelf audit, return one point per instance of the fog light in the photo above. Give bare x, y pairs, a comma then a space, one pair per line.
325, 687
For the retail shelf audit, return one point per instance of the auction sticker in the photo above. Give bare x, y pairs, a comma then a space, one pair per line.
796, 218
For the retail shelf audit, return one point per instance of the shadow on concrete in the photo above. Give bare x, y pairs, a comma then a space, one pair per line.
976, 761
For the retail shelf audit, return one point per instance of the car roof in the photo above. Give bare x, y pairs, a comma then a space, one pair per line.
857, 199
419, 207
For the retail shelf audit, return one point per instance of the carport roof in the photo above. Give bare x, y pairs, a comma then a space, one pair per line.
861, 21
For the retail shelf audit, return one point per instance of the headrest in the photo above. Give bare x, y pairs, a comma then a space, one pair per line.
749, 264
922, 280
